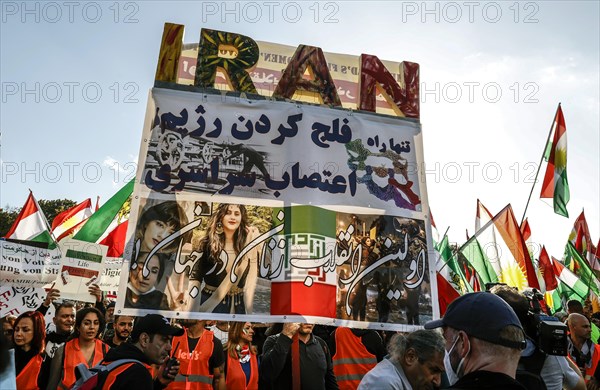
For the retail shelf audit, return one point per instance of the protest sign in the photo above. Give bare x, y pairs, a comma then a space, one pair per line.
26, 265
81, 266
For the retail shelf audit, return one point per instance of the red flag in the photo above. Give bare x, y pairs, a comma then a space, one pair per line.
446, 293
115, 240
471, 276
547, 270
525, 229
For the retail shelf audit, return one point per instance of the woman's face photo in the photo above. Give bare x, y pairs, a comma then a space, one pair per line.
136, 276
155, 232
90, 326
247, 332
232, 219
23, 332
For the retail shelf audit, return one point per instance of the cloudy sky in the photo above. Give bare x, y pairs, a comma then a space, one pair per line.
75, 79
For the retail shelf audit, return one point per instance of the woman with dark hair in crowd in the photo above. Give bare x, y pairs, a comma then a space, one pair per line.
32, 366
141, 289
228, 233
241, 365
83, 347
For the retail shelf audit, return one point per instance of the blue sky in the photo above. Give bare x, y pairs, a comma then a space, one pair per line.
75, 80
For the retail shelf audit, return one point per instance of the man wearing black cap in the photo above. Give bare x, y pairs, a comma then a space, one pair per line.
150, 344
484, 339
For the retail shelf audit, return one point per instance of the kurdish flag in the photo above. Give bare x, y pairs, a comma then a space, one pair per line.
106, 223
555, 183
31, 224
498, 253
69, 220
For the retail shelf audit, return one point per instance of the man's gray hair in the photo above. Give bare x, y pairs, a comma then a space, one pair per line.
425, 343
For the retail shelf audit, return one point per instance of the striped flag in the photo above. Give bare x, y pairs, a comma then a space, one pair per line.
67, 222
555, 184
108, 217
31, 224
498, 253
581, 239
584, 272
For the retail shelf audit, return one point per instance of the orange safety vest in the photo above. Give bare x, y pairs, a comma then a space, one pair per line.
589, 372
351, 360
112, 375
28, 377
73, 356
236, 377
193, 369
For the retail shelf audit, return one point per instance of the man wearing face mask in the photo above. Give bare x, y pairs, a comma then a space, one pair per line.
415, 361
484, 339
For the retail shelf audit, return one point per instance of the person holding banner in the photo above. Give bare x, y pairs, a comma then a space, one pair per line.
84, 347
141, 289
227, 235
31, 363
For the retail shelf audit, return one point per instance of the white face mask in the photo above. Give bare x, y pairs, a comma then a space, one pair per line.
452, 375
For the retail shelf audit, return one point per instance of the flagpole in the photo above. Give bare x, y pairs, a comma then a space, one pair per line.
540, 165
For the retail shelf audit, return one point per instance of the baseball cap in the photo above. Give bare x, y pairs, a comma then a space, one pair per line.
154, 324
481, 315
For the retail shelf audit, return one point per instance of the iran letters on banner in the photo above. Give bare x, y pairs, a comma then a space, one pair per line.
332, 227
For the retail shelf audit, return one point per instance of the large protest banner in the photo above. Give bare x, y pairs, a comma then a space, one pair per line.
276, 211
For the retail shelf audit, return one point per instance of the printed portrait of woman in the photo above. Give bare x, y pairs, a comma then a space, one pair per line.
227, 234
141, 288
156, 224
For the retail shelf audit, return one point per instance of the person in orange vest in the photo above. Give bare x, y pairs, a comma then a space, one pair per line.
31, 364
241, 364
84, 347
355, 352
150, 343
582, 350
200, 354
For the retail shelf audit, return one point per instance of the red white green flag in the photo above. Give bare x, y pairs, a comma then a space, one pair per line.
69, 221
581, 239
31, 224
108, 218
555, 183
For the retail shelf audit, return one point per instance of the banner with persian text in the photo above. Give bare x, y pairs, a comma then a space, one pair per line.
276, 211
27, 265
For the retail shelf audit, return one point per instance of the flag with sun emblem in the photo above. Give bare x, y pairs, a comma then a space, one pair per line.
499, 254
555, 183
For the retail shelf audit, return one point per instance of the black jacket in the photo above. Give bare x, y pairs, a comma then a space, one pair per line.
487, 380
136, 376
316, 367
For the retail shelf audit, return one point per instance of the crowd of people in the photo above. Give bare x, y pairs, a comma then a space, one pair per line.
485, 340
